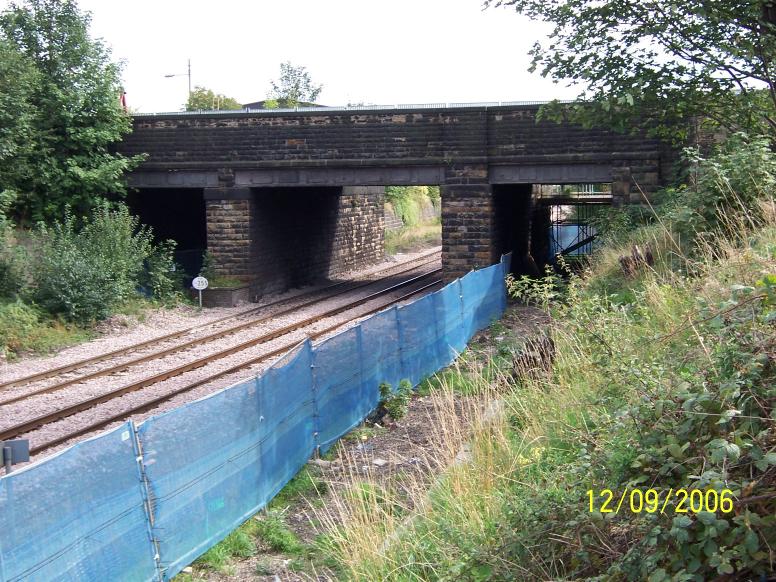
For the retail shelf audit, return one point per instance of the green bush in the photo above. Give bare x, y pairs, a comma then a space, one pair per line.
11, 273
25, 328
725, 188
396, 403
84, 273
162, 274
18, 322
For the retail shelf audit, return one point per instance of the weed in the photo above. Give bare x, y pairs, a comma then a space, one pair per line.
396, 403
24, 328
274, 533
240, 543
662, 380
263, 568
304, 485
541, 292
408, 239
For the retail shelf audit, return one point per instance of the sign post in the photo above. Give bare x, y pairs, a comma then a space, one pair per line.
199, 283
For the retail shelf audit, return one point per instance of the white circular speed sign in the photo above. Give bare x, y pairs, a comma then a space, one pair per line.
199, 283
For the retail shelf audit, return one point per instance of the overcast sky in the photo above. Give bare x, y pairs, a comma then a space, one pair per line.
402, 51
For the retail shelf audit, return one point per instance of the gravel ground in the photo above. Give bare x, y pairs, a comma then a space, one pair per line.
44, 403
120, 331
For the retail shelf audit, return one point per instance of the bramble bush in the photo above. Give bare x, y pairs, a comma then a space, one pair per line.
84, 273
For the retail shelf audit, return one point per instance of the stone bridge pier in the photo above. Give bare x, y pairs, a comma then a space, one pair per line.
282, 237
482, 220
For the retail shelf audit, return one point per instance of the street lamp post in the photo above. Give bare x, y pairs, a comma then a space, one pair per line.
187, 74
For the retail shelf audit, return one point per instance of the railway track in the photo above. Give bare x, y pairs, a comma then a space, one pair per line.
343, 287
420, 283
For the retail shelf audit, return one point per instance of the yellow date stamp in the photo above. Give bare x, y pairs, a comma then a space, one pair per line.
654, 501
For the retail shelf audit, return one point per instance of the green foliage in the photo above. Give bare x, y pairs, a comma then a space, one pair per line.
294, 87
275, 534
17, 322
18, 81
615, 224
408, 201
303, 485
203, 98
541, 291
208, 269
396, 403
61, 94
669, 384
239, 543
656, 65
11, 255
411, 239
24, 328
162, 275
83, 274
726, 185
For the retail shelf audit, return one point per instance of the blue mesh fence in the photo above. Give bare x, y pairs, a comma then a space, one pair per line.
382, 358
213, 463
339, 385
80, 515
207, 466
203, 462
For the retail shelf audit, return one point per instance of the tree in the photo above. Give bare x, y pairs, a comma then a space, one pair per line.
294, 87
18, 80
202, 98
68, 89
657, 63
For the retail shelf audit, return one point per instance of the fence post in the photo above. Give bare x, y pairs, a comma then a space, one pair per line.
360, 348
439, 336
314, 390
464, 327
402, 363
145, 491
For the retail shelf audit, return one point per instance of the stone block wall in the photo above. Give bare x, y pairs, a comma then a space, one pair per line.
230, 235
359, 237
277, 238
468, 229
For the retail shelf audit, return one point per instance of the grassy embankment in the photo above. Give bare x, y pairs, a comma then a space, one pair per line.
417, 233
662, 379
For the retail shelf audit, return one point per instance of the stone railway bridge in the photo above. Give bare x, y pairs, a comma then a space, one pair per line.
283, 197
